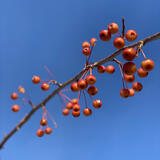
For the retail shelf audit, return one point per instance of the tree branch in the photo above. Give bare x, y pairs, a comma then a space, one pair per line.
63, 85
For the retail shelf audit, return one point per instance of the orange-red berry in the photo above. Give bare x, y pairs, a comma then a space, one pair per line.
76, 113
124, 93
76, 107
45, 86
129, 54
129, 68
101, 69
69, 105
97, 103
90, 79
129, 78
87, 111
147, 65
43, 122
14, 96
15, 108
85, 44
82, 84
119, 42
142, 73
105, 35
36, 79
131, 35
92, 90
65, 111
113, 28
74, 87
131, 92
110, 69
86, 51
93, 41
48, 130
137, 86
74, 101
40, 133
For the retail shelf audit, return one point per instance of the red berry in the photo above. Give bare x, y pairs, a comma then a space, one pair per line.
147, 65
97, 103
65, 111
85, 44
124, 93
113, 28
14, 96
101, 69
137, 86
43, 122
142, 73
36, 79
90, 79
110, 69
129, 68
129, 54
76, 107
76, 113
74, 101
69, 105
15, 108
82, 84
48, 130
92, 41
87, 111
119, 42
105, 35
86, 51
45, 86
129, 78
131, 92
92, 90
74, 87
131, 35
40, 133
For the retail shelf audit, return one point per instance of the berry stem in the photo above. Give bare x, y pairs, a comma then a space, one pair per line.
85, 99
143, 53
122, 75
47, 69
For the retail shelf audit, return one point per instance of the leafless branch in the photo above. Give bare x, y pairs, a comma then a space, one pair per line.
63, 85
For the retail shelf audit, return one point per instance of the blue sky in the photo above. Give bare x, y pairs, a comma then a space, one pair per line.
35, 33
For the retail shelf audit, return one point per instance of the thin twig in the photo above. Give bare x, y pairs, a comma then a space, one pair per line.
63, 85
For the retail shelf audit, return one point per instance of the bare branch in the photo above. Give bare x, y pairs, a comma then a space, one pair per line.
63, 85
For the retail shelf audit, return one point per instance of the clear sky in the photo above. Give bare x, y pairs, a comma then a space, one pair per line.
35, 33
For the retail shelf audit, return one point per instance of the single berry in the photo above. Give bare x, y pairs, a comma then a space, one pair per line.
76, 107
90, 79
40, 133
110, 69
129, 68
86, 51
14, 96
142, 73
65, 111
131, 35
147, 65
69, 105
131, 92
74, 87
76, 113
105, 35
119, 42
74, 101
129, 78
45, 86
92, 90
137, 86
36, 79
92, 41
43, 122
113, 28
101, 69
129, 54
87, 111
15, 108
82, 84
97, 103
124, 93
48, 130
85, 44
